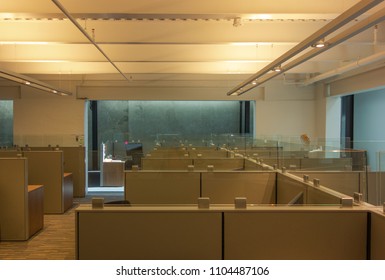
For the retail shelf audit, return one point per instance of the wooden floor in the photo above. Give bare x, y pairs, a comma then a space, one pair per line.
57, 239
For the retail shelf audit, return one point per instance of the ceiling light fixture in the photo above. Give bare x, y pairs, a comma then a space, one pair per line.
73, 20
31, 82
319, 44
237, 22
277, 68
344, 18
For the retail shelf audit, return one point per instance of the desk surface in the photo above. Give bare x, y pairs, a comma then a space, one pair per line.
32, 188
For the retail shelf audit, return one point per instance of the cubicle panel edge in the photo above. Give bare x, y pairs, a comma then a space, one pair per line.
14, 222
377, 240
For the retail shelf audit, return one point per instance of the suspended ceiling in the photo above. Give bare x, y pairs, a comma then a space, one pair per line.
161, 43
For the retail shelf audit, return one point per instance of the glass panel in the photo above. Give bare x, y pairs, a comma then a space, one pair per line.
6, 123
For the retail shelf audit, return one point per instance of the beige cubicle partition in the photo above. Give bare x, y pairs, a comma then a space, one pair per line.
162, 187
290, 187
345, 182
118, 234
150, 163
301, 234
35, 208
46, 168
377, 235
219, 163
208, 153
164, 153
75, 163
223, 232
343, 164
14, 219
10, 153
222, 187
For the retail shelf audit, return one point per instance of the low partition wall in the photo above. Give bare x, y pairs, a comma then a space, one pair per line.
222, 232
21, 205
46, 168
185, 187
293, 190
223, 187
166, 187
74, 161
187, 153
345, 182
377, 234
311, 164
150, 163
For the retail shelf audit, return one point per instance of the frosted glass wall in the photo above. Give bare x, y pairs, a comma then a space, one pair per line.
6, 123
149, 121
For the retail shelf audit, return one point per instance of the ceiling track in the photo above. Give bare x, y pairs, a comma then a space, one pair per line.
164, 17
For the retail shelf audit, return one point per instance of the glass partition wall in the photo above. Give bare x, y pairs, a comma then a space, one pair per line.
6, 123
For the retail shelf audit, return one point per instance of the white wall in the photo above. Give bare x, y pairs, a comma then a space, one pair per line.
369, 116
333, 121
286, 110
281, 109
42, 118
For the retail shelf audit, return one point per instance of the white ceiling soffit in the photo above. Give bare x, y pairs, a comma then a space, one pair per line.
153, 40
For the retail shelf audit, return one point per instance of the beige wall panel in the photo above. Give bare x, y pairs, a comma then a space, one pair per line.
5, 154
166, 163
250, 165
219, 163
46, 168
326, 164
295, 235
377, 237
344, 182
162, 187
68, 191
35, 208
13, 199
223, 187
213, 154
320, 196
288, 188
168, 153
75, 163
151, 236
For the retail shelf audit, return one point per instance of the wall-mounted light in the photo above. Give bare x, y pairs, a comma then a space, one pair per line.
28, 81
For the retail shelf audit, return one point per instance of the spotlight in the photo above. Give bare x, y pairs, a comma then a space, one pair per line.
237, 22
319, 44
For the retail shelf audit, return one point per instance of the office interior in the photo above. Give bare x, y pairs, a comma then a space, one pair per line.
218, 123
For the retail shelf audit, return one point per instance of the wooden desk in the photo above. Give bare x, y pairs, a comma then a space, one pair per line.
35, 209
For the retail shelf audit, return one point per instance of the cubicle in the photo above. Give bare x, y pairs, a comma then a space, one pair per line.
166, 187
21, 204
222, 187
225, 232
46, 168
74, 162
346, 182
